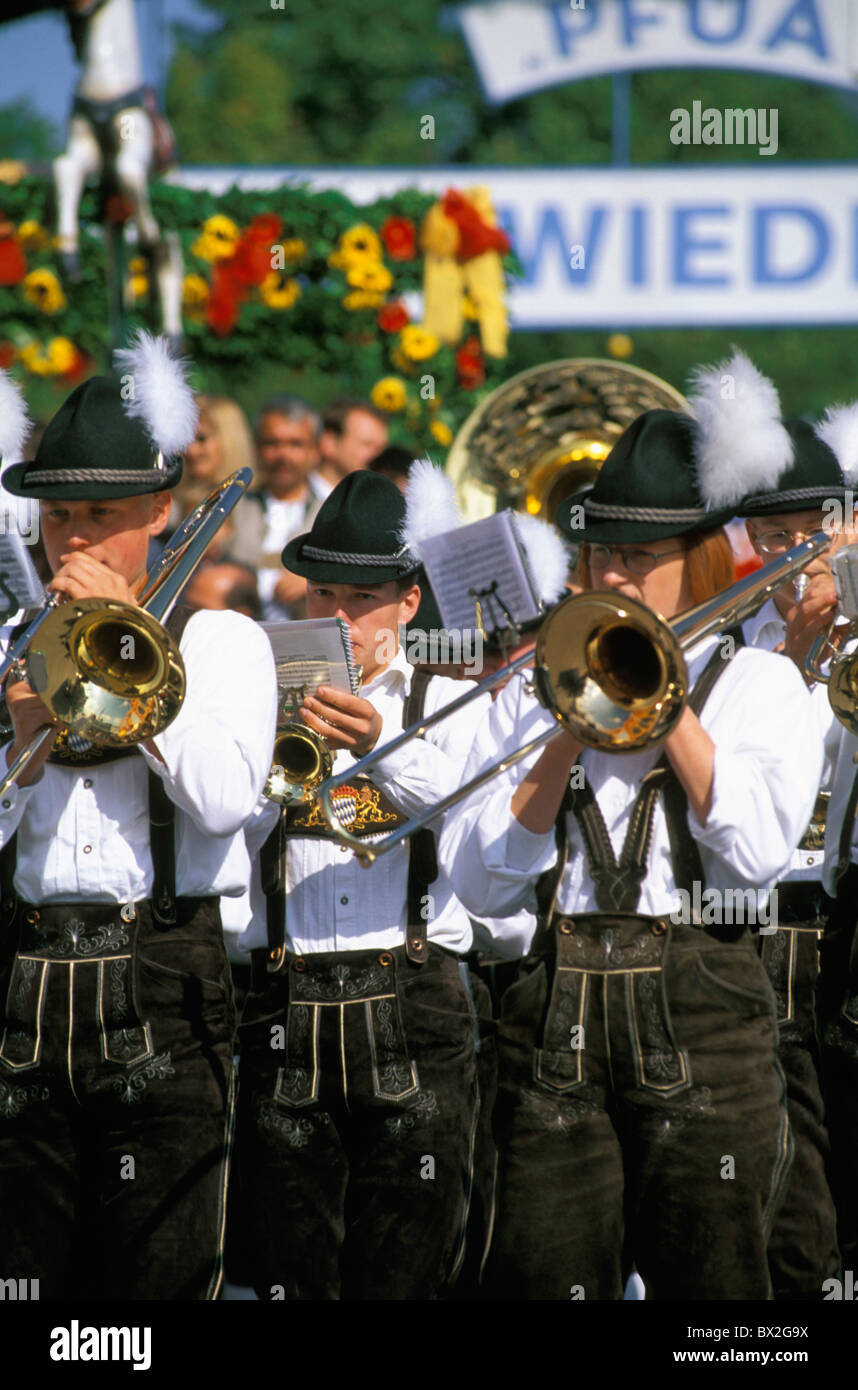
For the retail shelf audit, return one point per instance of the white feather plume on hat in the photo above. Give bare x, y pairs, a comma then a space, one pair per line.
838, 428
161, 395
547, 554
741, 444
430, 506
15, 424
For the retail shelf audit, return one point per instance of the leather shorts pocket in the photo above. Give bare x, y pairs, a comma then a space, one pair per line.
394, 1073
22, 1031
558, 1061
297, 1080
124, 1037
661, 1065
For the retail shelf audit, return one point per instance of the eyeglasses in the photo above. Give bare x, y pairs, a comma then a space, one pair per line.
776, 542
635, 561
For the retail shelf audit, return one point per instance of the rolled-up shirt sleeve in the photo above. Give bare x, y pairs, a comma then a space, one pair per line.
216, 754
768, 769
492, 861
426, 770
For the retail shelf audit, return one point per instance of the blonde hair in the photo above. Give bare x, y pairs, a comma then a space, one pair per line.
709, 561
227, 422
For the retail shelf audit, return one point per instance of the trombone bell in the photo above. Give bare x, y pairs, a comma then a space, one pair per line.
108, 670
611, 671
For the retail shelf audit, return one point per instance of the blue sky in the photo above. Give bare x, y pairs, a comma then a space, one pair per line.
37, 60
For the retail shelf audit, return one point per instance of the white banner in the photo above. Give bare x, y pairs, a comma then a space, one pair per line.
679, 246
521, 47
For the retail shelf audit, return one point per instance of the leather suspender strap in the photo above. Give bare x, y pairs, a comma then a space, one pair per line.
162, 820
272, 865
844, 846
162, 842
422, 858
617, 886
8, 896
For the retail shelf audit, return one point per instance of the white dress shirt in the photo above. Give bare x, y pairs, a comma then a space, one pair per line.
332, 902
83, 833
768, 763
766, 629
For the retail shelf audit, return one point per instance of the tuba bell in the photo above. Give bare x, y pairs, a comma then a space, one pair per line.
543, 435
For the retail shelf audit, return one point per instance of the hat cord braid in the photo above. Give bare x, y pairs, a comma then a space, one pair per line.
344, 557
95, 475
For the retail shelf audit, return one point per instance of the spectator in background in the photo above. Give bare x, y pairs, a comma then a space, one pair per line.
394, 463
353, 432
222, 444
224, 585
284, 505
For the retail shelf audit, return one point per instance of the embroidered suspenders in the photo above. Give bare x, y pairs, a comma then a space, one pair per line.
617, 884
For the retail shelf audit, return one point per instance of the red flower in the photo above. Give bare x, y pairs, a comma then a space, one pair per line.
470, 367
475, 235
250, 262
265, 226
7, 355
392, 317
13, 263
400, 238
118, 208
223, 301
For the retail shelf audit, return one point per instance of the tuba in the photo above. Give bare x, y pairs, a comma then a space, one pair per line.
543, 436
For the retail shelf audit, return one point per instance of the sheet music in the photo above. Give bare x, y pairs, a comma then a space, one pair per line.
477, 557
315, 652
20, 585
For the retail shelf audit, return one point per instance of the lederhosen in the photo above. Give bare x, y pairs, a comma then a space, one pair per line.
803, 1250
625, 1048
838, 1019
117, 1010
372, 1072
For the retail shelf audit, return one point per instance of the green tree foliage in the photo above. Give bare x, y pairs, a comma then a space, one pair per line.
25, 134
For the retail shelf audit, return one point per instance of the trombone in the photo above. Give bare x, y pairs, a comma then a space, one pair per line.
109, 672
611, 672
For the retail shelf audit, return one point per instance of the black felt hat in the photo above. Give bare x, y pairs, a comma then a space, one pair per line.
115, 436
355, 537
647, 489
814, 476
671, 474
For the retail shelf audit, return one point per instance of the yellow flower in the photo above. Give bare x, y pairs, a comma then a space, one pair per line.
33, 236
34, 359
61, 355
367, 275
388, 393
441, 432
279, 292
418, 343
362, 299
293, 248
360, 241
195, 294
469, 307
620, 345
218, 239
138, 280
44, 289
